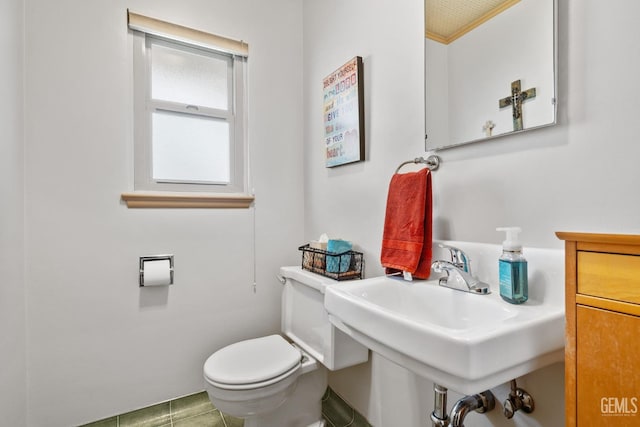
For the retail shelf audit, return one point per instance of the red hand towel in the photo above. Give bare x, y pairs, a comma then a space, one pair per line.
407, 237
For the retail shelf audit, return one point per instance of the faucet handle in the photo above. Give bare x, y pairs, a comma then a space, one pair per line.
440, 266
458, 257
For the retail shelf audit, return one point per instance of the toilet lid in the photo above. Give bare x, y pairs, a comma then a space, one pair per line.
252, 361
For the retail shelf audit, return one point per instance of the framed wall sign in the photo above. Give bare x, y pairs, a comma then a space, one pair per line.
344, 114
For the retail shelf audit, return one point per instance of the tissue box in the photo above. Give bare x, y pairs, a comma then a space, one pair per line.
318, 245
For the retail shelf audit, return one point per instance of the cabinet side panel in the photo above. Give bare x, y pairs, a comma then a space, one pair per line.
570, 334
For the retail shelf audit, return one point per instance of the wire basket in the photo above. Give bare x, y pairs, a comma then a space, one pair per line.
343, 266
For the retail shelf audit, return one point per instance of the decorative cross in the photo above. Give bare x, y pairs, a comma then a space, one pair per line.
488, 127
515, 100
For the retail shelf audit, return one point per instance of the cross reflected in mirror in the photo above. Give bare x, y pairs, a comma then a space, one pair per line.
488, 127
515, 100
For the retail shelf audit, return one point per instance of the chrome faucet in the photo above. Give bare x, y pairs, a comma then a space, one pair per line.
458, 279
458, 257
458, 273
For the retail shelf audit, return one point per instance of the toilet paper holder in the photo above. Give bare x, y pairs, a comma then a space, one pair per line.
146, 259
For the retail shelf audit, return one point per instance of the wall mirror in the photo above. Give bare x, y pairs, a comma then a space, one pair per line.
490, 69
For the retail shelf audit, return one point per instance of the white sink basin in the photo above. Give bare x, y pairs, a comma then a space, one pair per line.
466, 342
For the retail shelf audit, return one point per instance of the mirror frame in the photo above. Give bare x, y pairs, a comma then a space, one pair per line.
450, 144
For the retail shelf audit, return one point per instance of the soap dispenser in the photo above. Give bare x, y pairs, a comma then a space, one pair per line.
512, 266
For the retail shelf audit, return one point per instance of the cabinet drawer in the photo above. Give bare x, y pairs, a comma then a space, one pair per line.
612, 276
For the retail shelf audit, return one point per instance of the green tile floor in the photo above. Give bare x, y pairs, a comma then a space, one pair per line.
197, 410
338, 413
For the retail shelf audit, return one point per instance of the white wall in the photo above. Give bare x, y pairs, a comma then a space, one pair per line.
348, 201
581, 174
436, 92
12, 291
99, 345
578, 175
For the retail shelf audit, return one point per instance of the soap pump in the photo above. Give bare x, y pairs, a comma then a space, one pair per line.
512, 267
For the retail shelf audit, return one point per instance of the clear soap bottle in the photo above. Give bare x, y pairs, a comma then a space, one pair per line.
512, 265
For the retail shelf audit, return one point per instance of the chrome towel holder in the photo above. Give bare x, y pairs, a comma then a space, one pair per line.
432, 162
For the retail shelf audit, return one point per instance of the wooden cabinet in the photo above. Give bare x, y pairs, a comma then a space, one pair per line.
602, 352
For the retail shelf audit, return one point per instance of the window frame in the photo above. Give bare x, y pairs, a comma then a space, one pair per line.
145, 106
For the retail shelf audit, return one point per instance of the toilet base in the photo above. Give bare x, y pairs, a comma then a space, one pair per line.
302, 408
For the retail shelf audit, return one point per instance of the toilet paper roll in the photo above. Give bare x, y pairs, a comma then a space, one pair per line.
156, 272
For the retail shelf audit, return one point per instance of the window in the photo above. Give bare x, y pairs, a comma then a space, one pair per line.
189, 110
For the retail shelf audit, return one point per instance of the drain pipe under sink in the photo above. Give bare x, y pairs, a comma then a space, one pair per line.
439, 417
481, 402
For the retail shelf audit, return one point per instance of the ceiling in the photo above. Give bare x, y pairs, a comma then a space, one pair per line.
447, 20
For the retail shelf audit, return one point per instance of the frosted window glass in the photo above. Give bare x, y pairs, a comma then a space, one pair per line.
189, 77
190, 148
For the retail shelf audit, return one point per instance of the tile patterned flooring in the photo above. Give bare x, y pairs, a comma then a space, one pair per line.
338, 413
197, 410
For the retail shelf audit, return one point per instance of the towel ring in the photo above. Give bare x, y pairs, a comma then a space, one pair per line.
432, 162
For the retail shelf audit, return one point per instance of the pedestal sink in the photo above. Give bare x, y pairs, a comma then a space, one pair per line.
465, 342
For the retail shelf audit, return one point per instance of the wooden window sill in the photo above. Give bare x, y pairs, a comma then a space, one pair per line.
190, 200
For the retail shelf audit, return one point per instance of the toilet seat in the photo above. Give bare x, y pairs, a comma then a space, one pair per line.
252, 363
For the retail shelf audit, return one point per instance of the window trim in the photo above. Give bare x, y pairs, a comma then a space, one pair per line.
186, 200
171, 31
158, 193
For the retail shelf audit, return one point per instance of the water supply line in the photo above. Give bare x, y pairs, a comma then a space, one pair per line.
481, 402
518, 399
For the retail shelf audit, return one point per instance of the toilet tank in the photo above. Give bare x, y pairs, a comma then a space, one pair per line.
306, 322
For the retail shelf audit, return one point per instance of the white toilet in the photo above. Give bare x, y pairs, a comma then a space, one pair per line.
271, 382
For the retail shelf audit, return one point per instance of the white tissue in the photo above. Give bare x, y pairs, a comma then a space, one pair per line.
156, 272
321, 243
